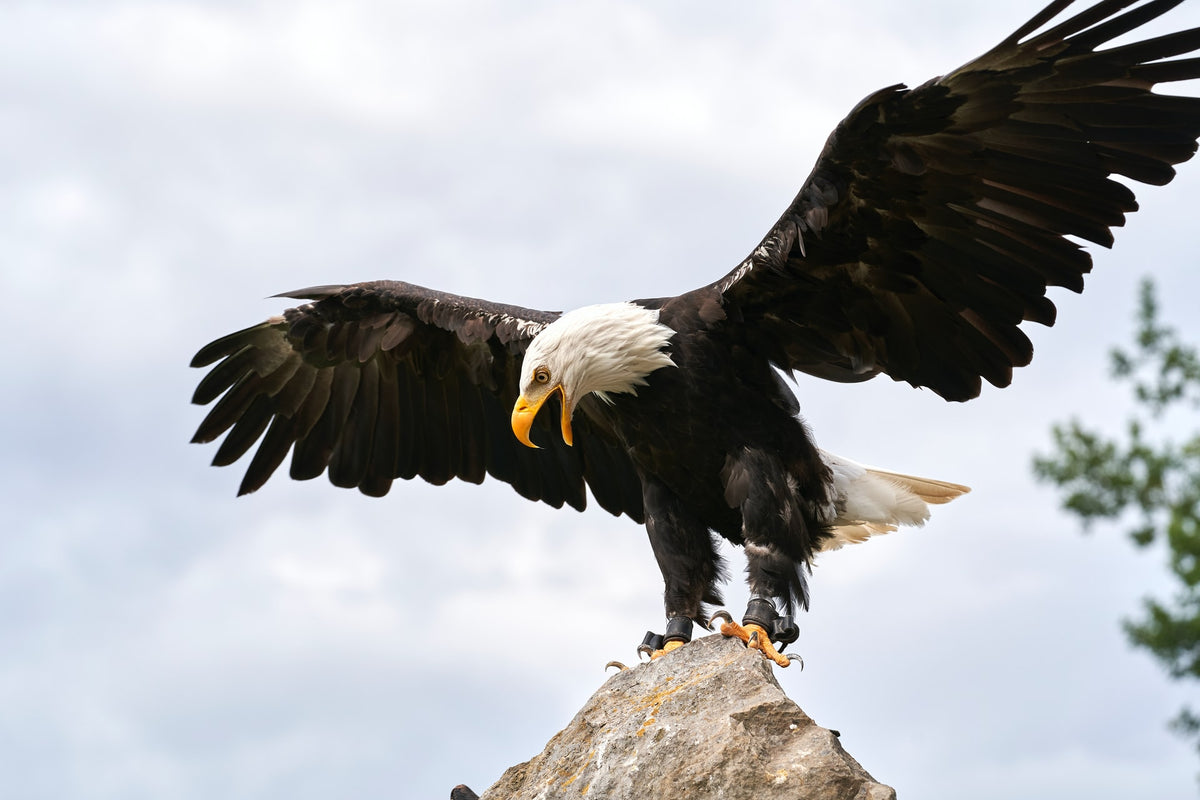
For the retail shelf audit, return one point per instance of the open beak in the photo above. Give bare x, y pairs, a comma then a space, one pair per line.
524, 412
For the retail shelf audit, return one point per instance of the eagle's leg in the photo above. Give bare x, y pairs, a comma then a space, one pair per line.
760, 625
781, 497
690, 566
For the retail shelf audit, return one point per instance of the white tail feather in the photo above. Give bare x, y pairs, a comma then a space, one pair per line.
872, 501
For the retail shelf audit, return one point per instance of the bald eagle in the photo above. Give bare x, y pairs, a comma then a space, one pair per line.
927, 233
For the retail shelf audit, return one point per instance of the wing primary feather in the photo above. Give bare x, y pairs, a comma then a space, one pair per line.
233, 342
224, 375
1117, 26
381, 468
1182, 69
311, 454
475, 452
435, 434
315, 399
348, 464
245, 432
270, 454
228, 410
409, 417
1038, 20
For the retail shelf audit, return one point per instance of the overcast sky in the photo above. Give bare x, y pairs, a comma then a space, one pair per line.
166, 165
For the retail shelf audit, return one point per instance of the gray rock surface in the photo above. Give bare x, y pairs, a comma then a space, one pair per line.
707, 720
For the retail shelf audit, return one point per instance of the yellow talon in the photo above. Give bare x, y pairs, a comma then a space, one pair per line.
674, 644
756, 638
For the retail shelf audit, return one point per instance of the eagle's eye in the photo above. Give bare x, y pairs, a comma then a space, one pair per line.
541, 375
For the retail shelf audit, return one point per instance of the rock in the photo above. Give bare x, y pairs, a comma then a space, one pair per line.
707, 720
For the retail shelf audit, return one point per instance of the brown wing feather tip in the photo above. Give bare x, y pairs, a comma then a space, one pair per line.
219, 348
313, 292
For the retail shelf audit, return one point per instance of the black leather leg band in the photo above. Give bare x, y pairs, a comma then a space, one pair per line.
679, 629
761, 612
785, 630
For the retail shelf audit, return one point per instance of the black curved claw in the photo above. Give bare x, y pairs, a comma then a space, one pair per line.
616, 664
795, 659
719, 614
650, 642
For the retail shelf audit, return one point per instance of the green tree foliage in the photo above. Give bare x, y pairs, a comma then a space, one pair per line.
1149, 479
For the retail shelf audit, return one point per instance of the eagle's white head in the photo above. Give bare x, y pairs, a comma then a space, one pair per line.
606, 349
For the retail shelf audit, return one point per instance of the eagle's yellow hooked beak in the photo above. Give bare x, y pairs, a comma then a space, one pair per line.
525, 410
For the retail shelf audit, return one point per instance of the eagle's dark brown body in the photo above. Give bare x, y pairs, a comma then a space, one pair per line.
729, 455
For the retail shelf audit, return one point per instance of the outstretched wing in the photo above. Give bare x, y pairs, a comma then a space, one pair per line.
936, 217
384, 380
